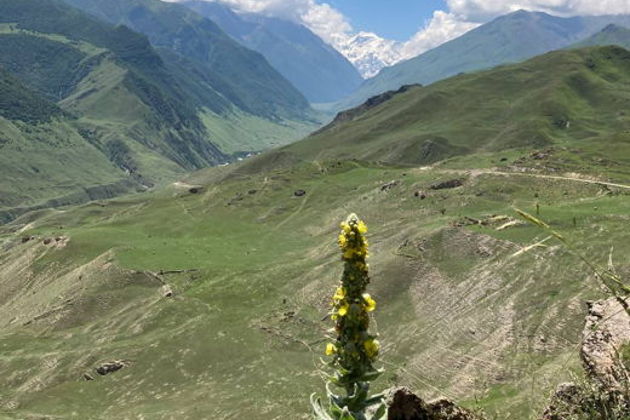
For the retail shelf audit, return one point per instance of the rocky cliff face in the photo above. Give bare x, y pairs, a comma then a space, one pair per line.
606, 392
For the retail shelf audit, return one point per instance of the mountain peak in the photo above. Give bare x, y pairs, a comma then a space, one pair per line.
370, 53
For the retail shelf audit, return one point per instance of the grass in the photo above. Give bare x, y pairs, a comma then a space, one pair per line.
262, 255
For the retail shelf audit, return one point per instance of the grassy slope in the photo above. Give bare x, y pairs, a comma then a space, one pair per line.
457, 316
44, 155
556, 98
507, 39
242, 336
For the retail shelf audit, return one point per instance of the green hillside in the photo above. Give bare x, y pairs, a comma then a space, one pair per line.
462, 312
507, 39
17, 102
610, 35
152, 120
558, 98
45, 158
240, 75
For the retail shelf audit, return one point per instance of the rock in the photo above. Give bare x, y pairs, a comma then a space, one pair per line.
605, 388
47, 241
299, 193
195, 190
405, 405
88, 377
252, 192
167, 291
109, 367
607, 328
420, 194
389, 185
567, 395
25, 239
453, 183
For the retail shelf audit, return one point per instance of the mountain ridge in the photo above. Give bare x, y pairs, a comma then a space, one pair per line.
509, 38
319, 71
255, 87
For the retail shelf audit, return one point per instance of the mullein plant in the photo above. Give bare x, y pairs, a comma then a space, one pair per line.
355, 349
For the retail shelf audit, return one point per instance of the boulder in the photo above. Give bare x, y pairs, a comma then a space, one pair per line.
405, 405
109, 367
389, 185
452, 183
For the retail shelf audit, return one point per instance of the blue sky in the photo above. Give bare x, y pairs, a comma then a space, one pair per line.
392, 19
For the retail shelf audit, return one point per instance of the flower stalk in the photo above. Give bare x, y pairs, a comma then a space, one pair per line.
355, 348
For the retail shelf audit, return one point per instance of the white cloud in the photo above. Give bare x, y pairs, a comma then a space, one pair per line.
442, 27
483, 10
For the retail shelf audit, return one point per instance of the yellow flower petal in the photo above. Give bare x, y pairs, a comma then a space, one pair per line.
345, 228
330, 349
371, 347
340, 294
343, 310
370, 304
361, 227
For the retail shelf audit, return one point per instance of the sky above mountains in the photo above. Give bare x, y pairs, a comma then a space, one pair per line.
408, 28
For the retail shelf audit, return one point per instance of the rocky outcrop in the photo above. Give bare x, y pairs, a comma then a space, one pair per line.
607, 329
606, 392
451, 183
405, 405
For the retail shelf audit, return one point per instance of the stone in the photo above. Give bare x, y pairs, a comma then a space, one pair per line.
452, 183
110, 367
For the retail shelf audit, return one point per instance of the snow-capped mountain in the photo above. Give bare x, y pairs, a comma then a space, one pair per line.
370, 53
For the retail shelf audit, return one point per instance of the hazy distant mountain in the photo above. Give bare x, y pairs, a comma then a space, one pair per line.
315, 68
610, 35
510, 38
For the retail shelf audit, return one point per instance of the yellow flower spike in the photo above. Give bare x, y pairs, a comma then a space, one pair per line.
343, 310
370, 304
330, 349
346, 227
372, 347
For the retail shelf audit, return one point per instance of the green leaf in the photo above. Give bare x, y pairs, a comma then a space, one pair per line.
346, 415
381, 413
319, 410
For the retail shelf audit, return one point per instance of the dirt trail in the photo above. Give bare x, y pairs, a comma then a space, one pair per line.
493, 171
